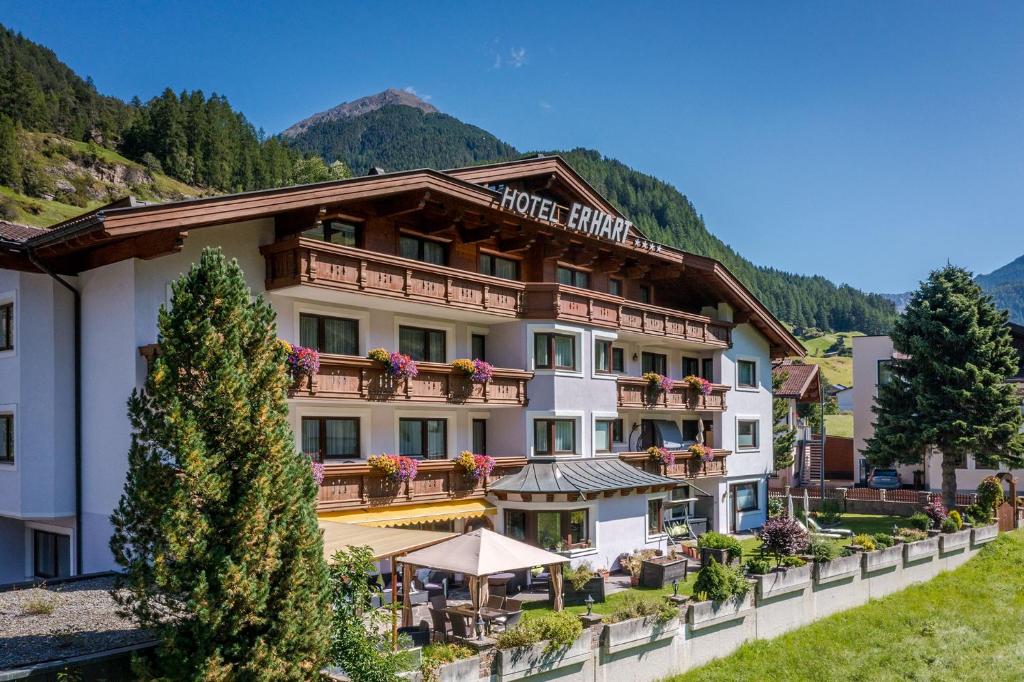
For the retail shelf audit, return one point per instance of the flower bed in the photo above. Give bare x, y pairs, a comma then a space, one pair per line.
922, 550
783, 581
838, 569
949, 542
983, 534
706, 614
883, 558
635, 632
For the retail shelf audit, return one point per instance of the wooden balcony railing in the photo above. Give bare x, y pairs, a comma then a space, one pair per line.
356, 485
308, 261
546, 300
637, 393
685, 467
356, 378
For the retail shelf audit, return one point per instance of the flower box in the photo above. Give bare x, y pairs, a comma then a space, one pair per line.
465, 670
573, 597
661, 571
922, 550
514, 664
949, 542
882, 558
722, 556
838, 569
983, 534
783, 581
707, 614
636, 632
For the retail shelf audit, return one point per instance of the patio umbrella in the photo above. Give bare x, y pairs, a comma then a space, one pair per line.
807, 505
700, 430
789, 505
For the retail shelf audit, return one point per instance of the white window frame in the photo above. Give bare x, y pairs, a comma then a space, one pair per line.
472, 331
513, 502
12, 409
576, 416
30, 550
432, 324
318, 409
12, 298
757, 369
611, 374
452, 419
582, 358
757, 432
655, 537
362, 318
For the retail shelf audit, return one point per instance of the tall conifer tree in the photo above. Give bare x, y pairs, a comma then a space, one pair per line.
216, 530
948, 384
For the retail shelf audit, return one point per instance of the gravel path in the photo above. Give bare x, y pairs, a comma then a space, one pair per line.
47, 623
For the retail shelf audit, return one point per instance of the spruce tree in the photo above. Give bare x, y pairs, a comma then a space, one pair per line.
948, 387
216, 530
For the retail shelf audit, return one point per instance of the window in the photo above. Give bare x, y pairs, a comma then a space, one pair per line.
480, 436
554, 436
426, 345
691, 366
746, 373
745, 496
516, 524
884, 372
417, 248
426, 438
615, 286
549, 529
496, 266
478, 346
691, 427
655, 518
654, 362
325, 438
618, 360
603, 357
747, 434
329, 334
573, 278
645, 293
603, 435
7, 438
7, 326
335, 232
554, 351
51, 555
707, 369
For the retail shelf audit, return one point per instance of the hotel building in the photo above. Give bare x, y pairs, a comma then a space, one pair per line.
568, 301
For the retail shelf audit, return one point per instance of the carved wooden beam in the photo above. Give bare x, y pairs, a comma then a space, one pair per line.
470, 235
514, 244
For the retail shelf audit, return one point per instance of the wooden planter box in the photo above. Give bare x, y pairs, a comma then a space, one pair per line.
514, 664
571, 597
923, 550
983, 534
706, 614
722, 556
837, 569
882, 558
783, 581
636, 632
661, 571
949, 542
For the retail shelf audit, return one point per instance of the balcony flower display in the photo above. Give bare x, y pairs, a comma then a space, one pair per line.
479, 371
699, 384
317, 468
477, 467
661, 456
301, 361
398, 365
396, 467
658, 382
702, 452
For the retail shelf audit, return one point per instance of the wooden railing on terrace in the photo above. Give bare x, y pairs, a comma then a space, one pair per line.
686, 466
357, 485
357, 378
637, 393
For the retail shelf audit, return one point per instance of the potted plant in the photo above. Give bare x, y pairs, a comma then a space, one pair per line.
476, 467
396, 468
722, 548
721, 593
578, 583
303, 364
659, 571
661, 456
397, 365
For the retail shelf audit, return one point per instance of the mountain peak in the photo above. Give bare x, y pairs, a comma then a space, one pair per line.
364, 105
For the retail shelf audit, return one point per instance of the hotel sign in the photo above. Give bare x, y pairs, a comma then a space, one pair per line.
582, 219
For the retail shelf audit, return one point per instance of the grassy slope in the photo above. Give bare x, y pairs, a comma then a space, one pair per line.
964, 625
839, 425
837, 370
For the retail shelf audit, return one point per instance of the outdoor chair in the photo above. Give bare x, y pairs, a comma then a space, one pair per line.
816, 528
461, 627
431, 582
513, 605
442, 627
495, 602
498, 589
439, 602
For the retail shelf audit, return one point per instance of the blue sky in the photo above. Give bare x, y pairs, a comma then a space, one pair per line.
868, 142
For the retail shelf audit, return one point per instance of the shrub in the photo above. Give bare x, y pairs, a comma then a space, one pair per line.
775, 507
559, 629
949, 526
977, 515
635, 606
957, 519
579, 577
793, 561
38, 605
633, 563
990, 495
936, 512
718, 582
883, 540
823, 550
864, 540
920, 521
436, 655
758, 565
783, 537
911, 534
831, 512
713, 540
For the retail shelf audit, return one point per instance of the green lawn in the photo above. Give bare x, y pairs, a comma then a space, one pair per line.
837, 370
964, 625
839, 425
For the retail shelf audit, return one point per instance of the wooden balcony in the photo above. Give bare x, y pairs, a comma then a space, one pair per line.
556, 301
636, 393
355, 378
310, 262
358, 486
685, 467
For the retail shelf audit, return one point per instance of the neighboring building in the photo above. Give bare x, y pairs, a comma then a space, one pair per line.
843, 396
872, 358
801, 385
571, 305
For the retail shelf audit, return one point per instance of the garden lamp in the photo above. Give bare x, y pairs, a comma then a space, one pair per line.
479, 626
589, 601
675, 587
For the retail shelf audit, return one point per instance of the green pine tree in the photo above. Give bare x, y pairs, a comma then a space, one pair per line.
948, 386
216, 530
783, 434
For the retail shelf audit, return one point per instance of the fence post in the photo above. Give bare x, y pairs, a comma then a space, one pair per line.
841, 496
924, 497
881, 495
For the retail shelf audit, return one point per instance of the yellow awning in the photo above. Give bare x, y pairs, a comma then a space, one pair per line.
413, 514
384, 542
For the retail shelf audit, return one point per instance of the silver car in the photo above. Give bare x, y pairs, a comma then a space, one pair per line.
886, 479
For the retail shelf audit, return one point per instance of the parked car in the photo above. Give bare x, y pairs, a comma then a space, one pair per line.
887, 479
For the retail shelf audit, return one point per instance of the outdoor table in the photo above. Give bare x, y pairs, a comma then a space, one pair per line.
487, 614
501, 579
